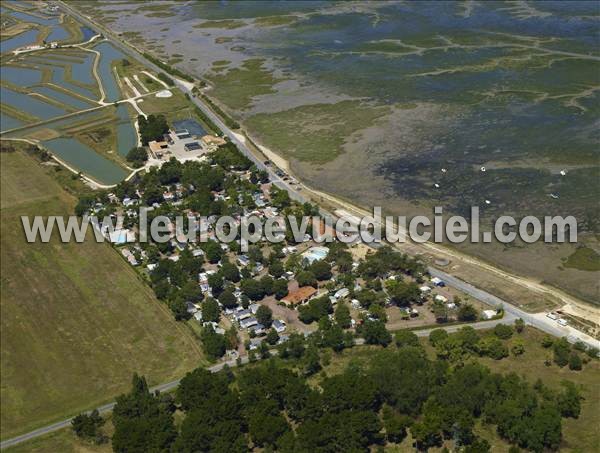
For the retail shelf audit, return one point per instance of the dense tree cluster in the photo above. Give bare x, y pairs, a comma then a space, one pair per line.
152, 128
385, 260
230, 158
143, 421
270, 405
137, 156
315, 309
87, 426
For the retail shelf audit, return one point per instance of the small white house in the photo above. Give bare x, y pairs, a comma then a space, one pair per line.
279, 325
488, 314
340, 294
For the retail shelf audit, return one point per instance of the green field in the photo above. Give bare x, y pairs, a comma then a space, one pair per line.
584, 259
325, 128
229, 24
76, 320
238, 86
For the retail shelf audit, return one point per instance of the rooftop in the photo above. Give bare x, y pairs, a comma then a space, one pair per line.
300, 295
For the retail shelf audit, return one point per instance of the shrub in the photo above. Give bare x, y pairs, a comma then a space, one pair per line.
137, 156
503, 331
406, 338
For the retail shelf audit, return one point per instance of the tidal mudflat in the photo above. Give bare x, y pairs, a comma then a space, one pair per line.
371, 101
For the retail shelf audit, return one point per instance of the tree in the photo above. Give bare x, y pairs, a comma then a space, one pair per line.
547, 341
374, 332
255, 254
592, 352
315, 309
272, 337
191, 292
367, 297
266, 424
214, 344
293, 348
152, 128
137, 156
252, 288
395, 425
227, 299
231, 337
216, 283
403, 293
213, 251
342, 315
437, 336
210, 310
276, 269
331, 335
569, 401
479, 446
266, 283
503, 331
230, 272
179, 309
264, 315
86, 426
426, 433
406, 338
312, 361
280, 288
492, 347
518, 347
575, 362
141, 421
440, 311
306, 278
561, 349
519, 325
321, 270
467, 313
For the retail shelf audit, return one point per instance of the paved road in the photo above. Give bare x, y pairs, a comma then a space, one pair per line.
538, 320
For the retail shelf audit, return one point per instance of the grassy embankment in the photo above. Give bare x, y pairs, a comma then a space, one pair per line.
228, 24
76, 320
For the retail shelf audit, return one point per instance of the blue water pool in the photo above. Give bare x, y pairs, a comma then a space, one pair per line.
86, 159
21, 40
30, 104
8, 122
22, 77
109, 54
64, 98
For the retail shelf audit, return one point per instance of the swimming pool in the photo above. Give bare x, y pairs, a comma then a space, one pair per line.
315, 254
